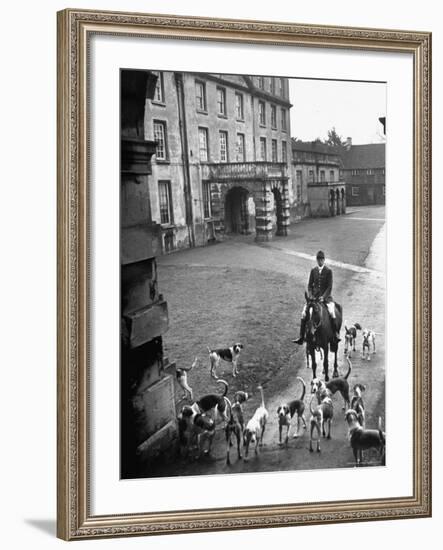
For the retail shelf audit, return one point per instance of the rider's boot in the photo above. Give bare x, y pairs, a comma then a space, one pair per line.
301, 338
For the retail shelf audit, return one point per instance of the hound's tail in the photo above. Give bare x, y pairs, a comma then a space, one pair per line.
260, 388
304, 387
192, 366
209, 349
349, 369
220, 381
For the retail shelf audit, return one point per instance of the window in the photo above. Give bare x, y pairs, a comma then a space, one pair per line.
273, 116
164, 196
161, 152
284, 152
262, 148
239, 113
272, 85
241, 154
298, 177
311, 176
355, 191
200, 95
262, 113
283, 120
331, 175
274, 154
159, 92
207, 210
261, 82
322, 175
280, 87
221, 101
369, 172
203, 144
223, 146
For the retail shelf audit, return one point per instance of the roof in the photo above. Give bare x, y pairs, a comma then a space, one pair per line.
313, 147
371, 155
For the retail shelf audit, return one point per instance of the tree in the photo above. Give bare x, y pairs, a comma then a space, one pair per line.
334, 139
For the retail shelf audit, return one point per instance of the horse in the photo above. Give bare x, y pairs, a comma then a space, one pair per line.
320, 334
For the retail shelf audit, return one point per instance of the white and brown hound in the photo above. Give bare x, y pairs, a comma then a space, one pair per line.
194, 428
255, 428
321, 414
350, 338
230, 355
358, 405
362, 439
368, 341
218, 404
182, 379
287, 411
340, 384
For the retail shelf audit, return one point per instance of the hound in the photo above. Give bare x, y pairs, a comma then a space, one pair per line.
362, 439
322, 413
368, 340
286, 412
193, 428
255, 428
340, 384
234, 427
182, 379
230, 355
357, 403
219, 404
350, 337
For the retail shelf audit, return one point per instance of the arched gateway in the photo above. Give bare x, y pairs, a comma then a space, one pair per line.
245, 195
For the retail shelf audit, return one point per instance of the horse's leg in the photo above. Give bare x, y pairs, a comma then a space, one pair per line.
326, 363
313, 362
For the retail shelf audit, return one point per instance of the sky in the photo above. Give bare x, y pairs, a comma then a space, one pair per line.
353, 108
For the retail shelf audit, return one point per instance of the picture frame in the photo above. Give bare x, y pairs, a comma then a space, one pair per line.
75, 520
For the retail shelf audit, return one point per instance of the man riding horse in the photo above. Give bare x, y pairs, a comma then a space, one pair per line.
320, 288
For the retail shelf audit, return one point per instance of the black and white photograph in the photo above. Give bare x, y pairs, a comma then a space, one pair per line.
253, 273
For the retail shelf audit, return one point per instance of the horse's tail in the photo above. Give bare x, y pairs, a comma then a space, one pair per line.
220, 381
349, 367
304, 387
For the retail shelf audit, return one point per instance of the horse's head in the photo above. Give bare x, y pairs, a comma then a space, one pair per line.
313, 315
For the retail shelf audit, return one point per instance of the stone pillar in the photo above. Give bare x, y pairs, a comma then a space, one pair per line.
283, 212
218, 210
263, 214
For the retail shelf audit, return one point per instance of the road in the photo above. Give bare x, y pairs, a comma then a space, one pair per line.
242, 291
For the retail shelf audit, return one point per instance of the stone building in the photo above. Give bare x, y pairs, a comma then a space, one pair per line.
320, 191
364, 172
222, 157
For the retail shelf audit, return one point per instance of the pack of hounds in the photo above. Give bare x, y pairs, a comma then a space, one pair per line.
198, 420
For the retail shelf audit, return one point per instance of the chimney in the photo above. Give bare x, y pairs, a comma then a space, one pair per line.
348, 143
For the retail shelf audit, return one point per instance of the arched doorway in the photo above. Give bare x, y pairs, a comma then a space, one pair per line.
343, 202
236, 211
332, 202
337, 201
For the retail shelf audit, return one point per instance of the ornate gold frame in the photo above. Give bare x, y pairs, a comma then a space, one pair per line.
73, 515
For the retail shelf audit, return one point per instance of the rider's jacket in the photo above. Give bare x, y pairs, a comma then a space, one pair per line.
320, 284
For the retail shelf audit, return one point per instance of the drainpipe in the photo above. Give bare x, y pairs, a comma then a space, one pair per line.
185, 157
